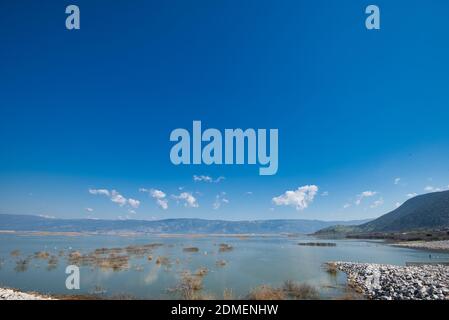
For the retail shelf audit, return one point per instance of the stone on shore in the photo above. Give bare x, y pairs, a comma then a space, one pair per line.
9, 294
389, 282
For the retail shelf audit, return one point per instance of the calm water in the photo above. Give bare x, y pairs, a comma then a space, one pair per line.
252, 262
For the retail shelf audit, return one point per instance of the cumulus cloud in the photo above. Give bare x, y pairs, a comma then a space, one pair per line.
115, 197
300, 198
431, 189
219, 200
377, 203
203, 178
134, 203
397, 180
103, 192
188, 199
159, 196
364, 194
89, 209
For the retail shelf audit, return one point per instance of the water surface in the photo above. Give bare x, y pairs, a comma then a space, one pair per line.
253, 261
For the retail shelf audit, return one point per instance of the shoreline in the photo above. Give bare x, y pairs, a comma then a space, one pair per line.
390, 282
13, 294
437, 245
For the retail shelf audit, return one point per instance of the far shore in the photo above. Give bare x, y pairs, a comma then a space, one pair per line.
439, 245
161, 235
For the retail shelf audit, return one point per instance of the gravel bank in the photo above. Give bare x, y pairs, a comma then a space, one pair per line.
389, 282
442, 245
10, 294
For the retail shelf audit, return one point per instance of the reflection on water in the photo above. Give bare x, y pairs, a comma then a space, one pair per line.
175, 267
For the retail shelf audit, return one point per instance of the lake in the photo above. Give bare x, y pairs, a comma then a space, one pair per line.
237, 266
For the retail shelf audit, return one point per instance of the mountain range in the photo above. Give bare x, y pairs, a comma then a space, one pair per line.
171, 226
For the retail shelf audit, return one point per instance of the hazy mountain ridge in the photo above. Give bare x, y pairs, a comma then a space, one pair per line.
182, 225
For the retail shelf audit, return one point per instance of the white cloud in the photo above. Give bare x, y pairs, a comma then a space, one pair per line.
159, 196
300, 198
103, 192
46, 216
346, 205
364, 194
188, 199
89, 209
134, 203
325, 193
397, 180
116, 197
203, 178
219, 200
377, 203
411, 195
431, 189
249, 193
162, 203
398, 204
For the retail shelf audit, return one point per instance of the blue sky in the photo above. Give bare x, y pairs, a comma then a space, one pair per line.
93, 109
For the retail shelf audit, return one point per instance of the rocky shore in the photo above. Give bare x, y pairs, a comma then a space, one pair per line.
10, 294
389, 282
441, 245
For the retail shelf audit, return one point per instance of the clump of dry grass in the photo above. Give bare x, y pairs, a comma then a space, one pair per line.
201, 272
98, 290
116, 263
228, 294
318, 244
52, 263
300, 291
331, 268
101, 251
220, 263
112, 261
266, 292
351, 293
163, 261
115, 258
75, 255
289, 290
223, 247
15, 253
138, 250
190, 249
190, 286
22, 265
42, 255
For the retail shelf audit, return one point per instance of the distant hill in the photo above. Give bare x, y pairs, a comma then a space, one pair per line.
427, 211
173, 226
